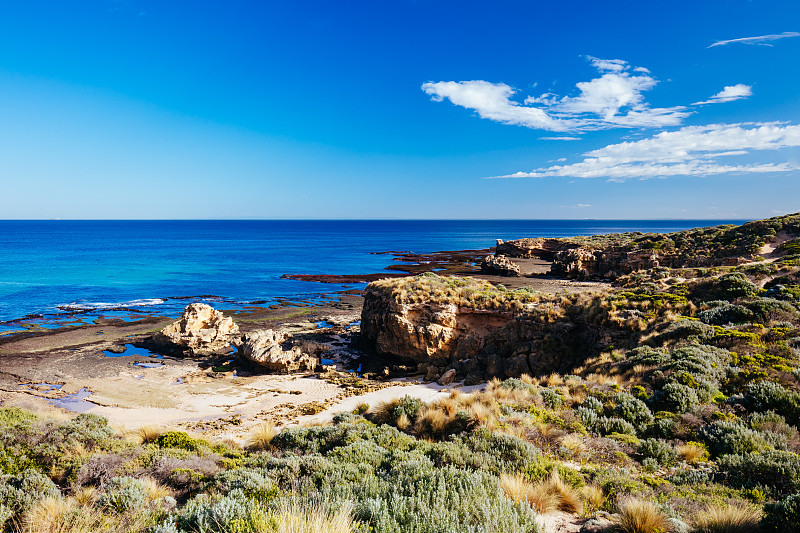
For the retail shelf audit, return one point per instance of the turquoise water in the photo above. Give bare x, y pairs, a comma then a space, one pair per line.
84, 268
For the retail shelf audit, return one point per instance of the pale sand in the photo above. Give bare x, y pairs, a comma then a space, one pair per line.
224, 407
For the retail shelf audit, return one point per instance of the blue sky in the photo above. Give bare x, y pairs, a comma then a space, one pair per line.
399, 109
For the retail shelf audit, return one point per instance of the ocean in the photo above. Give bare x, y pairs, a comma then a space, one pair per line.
83, 269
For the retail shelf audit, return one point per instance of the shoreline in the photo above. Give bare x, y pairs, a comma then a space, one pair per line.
134, 390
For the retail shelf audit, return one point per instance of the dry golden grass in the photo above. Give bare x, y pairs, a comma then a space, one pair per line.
549, 495
85, 496
573, 442
570, 500
403, 423
155, 490
536, 495
292, 517
56, 515
693, 453
637, 516
260, 437
148, 434
383, 412
728, 519
593, 499
554, 380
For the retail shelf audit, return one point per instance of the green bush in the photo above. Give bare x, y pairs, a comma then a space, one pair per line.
607, 425
658, 450
552, 398
778, 470
122, 494
19, 493
724, 437
782, 516
771, 396
179, 440
726, 314
676, 398
634, 411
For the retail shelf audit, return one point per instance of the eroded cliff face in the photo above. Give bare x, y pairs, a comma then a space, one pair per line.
451, 342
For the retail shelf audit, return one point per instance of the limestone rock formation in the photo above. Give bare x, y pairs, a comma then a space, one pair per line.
539, 247
499, 265
201, 330
278, 351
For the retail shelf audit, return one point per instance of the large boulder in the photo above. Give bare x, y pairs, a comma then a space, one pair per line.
278, 351
499, 265
201, 330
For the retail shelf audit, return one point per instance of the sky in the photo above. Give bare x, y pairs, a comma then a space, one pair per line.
129, 109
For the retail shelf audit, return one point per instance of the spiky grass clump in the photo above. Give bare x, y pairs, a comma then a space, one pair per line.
148, 434
260, 437
552, 494
637, 516
693, 452
593, 499
729, 519
294, 517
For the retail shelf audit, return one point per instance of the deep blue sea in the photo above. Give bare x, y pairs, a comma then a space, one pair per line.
52, 268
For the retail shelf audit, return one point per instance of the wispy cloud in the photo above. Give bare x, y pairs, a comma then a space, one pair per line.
613, 100
576, 206
729, 94
762, 40
559, 138
689, 151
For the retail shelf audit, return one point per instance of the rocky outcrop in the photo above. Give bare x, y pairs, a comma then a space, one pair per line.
477, 344
201, 330
583, 263
499, 265
279, 351
538, 247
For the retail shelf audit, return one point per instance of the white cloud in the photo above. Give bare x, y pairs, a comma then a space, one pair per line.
575, 206
560, 138
762, 40
613, 100
689, 151
729, 94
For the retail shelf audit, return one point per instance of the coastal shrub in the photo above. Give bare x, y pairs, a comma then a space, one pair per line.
726, 314
588, 417
728, 287
20, 492
772, 422
782, 516
552, 398
607, 425
676, 398
518, 384
768, 310
177, 439
771, 396
658, 450
725, 437
593, 404
634, 411
253, 483
122, 494
775, 469
419, 497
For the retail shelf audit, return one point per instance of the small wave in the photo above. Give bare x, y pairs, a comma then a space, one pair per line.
92, 306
